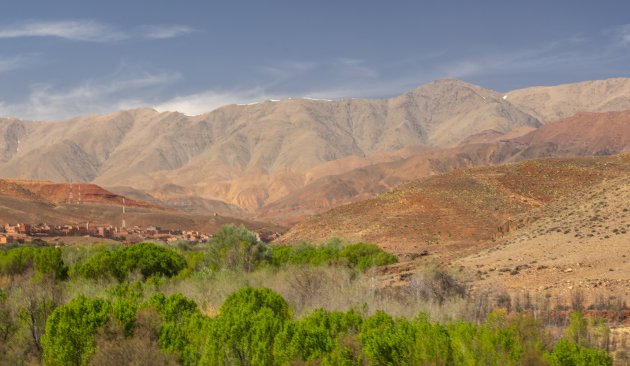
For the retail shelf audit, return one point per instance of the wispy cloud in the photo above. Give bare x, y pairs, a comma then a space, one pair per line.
121, 92
622, 33
90, 31
13, 62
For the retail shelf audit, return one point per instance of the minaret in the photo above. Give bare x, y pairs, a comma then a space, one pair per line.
123, 213
79, 193
70, 194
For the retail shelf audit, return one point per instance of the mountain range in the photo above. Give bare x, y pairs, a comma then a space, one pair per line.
283, 160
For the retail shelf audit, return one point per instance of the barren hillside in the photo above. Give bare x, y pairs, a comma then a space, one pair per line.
461, 209
578, 243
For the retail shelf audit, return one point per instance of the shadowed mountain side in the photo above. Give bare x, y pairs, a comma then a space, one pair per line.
447, 213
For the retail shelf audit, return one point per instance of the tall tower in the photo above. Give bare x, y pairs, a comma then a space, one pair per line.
70, 198
123, 214
79, 193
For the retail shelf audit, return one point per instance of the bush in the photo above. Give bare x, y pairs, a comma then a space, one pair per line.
246, 327
45, 261
568, 353
360, 256
71, 329
184, 329
236, 248
148, 259
315, 337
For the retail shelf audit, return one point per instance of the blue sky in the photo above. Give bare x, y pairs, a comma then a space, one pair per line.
64, 58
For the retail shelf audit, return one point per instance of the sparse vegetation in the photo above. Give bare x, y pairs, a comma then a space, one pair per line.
263, 305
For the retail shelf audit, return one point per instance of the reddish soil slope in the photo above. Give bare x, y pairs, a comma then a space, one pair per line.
462, 209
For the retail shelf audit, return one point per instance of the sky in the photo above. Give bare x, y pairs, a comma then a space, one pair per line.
65, 58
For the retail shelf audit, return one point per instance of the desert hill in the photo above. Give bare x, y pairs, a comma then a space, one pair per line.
459, 210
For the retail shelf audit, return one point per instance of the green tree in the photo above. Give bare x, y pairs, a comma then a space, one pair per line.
315, 337
568, 353
71, 329
236, 248
146, 258
244, 331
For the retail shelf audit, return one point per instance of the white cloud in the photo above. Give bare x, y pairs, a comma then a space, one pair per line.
89, 30
46, 103
199, 103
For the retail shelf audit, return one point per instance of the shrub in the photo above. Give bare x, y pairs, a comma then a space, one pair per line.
568, 353
315, 337
45, 261
236, 248
148, 259
71, 329
246, 327
360, 256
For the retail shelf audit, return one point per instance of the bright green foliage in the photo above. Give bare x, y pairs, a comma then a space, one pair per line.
360, 256
305, 253
388, 341
45, 261
432, 342
184, 329
246, 327
48, 262
568, 353
315, 336
125, 311
236, 248
496, 342
147, 259
70, 331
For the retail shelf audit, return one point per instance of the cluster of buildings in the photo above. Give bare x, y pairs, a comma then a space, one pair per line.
24, 232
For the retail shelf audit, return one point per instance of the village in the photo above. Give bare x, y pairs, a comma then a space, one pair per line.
24, 232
